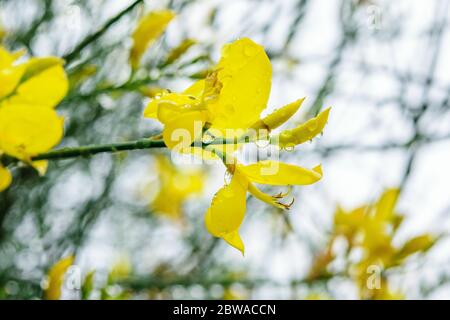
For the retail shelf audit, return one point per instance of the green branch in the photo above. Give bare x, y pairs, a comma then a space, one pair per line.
93, 37
85, 151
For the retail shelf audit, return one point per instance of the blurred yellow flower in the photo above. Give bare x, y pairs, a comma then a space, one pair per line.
179, 50
29, 92
176, 186
371, 229
149, 28
56, 278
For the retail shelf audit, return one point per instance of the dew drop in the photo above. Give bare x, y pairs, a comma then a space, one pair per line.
289, 147
207, 138
227, 177
286, 135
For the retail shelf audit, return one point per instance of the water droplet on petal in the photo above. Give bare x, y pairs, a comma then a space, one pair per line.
227, 177
207, 138
286, 135
289, 147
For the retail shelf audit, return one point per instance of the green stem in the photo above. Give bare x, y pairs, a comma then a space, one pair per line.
146, 143
66, 153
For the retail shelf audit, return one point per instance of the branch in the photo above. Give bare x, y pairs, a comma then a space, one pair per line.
66, 153
91, 38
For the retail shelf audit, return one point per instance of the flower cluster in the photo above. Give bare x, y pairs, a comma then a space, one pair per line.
371, 230
227, 104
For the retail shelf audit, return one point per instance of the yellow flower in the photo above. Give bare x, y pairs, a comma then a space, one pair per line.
56, 278
149, 28
29, 92
371, 229
228, 207
175, 187
232, 97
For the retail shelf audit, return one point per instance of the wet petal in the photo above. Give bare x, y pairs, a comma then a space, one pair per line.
280, 174
305, 131
169, 106
227, 209
280, 116
179, 133
245, 73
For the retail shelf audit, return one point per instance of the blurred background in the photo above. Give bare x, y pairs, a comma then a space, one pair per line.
382, 65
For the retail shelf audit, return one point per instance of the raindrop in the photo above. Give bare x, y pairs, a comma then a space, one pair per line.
207, 138
227, 177
286, 135
289, 147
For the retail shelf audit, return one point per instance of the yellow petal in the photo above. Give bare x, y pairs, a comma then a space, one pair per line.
245, 73
273, 201
26, 131
178, 51
280, 116
305, 131
9, 79
179, 133
7, 58
196, 89
149, 28
56, 278
418, 244
44, 83
227, 208
5, 178
169, 106
280, 174
386, 204
234, 240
